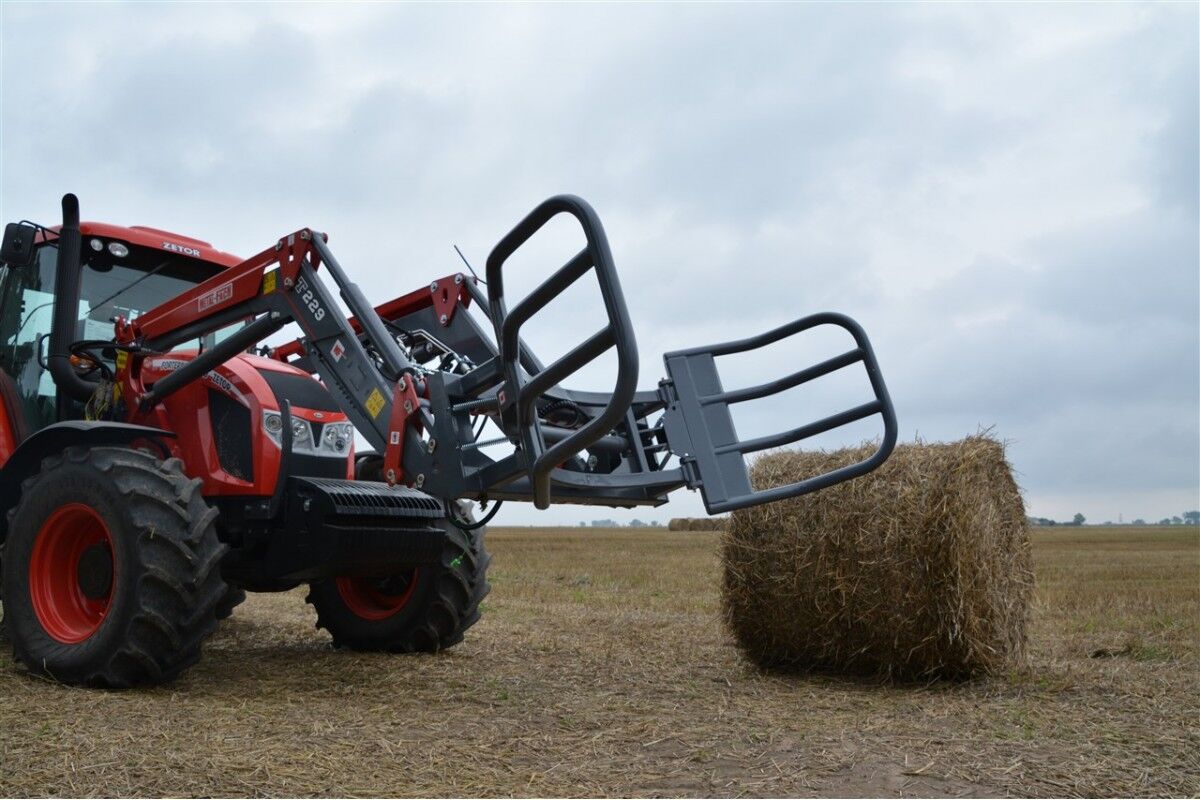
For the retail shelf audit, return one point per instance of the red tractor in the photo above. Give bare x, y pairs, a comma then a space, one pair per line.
157, 462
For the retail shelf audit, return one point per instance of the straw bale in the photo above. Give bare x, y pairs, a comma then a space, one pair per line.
921, 569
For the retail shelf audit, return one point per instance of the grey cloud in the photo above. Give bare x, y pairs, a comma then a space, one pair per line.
1006, 196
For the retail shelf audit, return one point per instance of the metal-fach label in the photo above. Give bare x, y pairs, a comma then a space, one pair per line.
215, 297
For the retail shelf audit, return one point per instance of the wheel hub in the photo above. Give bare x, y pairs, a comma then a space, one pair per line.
377, 598
72, 573
95, 571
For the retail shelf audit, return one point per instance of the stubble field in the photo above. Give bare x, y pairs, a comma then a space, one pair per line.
600, 668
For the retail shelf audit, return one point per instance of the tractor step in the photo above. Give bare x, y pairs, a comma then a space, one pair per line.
700, 429
356, 528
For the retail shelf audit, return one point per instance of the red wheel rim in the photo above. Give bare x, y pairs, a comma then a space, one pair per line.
66, 613
367, 598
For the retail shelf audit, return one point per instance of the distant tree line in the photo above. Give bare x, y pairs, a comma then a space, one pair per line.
610, 523
1187, 518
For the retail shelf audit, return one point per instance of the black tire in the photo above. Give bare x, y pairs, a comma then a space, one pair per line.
444, 601
165, 578
234, 596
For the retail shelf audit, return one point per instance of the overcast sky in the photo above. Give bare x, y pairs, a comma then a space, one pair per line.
1005, 195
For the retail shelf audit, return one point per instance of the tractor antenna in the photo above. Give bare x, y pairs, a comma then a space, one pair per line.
468, 263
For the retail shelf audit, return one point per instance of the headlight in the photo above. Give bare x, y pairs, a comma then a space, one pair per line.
337, 436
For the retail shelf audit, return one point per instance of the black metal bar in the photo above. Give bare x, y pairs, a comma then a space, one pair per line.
612, 444
525, 356
377, 333
787, 382
775, 334
804, 431
541, 462
540, 297
215, 356
579, 356
638, 449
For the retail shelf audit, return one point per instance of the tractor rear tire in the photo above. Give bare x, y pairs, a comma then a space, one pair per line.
423, 610
111, 569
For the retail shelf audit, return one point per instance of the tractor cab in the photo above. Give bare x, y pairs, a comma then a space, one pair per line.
121, 272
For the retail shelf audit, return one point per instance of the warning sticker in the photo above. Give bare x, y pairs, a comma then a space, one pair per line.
375, 402
338, 350
269, 279
122, 359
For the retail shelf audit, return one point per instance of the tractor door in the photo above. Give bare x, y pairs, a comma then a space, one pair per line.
26, 309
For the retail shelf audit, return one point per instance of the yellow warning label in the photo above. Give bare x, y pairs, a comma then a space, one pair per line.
375, 402
269, 281
122, 357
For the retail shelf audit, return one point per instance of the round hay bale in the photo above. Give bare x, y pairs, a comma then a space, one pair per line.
918, 570
677, 524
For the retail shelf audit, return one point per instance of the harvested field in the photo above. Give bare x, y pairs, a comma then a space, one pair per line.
601, 668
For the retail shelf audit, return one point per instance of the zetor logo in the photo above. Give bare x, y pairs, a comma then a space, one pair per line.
215, 297
178, 248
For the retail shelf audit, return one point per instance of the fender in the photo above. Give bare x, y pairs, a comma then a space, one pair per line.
27, 458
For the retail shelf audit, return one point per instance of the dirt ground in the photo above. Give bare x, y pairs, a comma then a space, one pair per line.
600, 668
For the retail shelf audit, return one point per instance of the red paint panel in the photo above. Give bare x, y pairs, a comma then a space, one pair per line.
8, 442
156, 239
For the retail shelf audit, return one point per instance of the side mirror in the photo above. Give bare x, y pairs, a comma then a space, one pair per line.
17, 247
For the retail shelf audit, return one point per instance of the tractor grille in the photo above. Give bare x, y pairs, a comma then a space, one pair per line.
231, 430
369, 499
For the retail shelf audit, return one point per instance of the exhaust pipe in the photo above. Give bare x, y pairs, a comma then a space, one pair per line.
67, 280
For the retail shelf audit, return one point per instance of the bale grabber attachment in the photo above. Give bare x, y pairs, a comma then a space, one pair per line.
622, 448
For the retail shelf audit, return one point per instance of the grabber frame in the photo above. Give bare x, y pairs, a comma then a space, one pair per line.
701, 430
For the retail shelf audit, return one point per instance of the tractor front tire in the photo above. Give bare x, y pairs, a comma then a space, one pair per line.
422, 610
111, 569
234, 596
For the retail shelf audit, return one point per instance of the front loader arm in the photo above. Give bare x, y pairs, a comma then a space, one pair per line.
269, 290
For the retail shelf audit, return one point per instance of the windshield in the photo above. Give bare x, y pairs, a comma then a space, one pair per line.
110, 287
